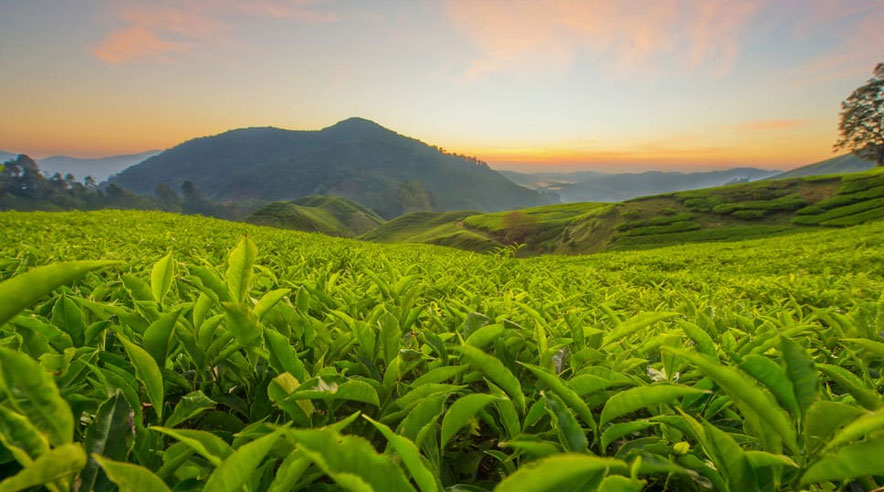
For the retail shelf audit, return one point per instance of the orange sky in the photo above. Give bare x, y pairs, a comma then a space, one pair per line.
678, 84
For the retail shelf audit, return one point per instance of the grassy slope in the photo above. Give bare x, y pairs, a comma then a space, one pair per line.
848, 163
444, 229
326, 214
728, 213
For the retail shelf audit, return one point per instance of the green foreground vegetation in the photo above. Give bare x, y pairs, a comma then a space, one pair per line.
156, 352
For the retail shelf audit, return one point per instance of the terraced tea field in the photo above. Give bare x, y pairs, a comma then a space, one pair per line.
156, 352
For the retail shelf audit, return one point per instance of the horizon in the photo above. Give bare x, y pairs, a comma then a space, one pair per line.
528, 86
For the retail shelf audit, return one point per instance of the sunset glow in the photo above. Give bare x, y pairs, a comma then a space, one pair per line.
664, 84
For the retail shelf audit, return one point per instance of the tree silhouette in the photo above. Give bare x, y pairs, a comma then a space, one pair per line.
518, 226
862, 120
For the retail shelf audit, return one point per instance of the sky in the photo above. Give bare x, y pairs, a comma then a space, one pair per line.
552, 84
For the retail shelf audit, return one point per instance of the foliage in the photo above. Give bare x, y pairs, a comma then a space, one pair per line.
287, 361
862, 119
24, 187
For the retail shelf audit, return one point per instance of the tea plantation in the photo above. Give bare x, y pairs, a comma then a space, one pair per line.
144, 351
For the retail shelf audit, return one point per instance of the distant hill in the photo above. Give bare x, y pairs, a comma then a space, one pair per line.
331, 215
618, 187
847, 163
546, 179
355, 158
740, 211
99, 168
441, 228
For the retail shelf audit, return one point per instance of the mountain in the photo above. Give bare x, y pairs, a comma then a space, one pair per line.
355, 158
547, 179
331, 215
847, 163
740, 211
99, 168
618, 187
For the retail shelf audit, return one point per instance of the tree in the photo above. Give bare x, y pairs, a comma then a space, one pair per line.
862, 120
519, 226
167, 198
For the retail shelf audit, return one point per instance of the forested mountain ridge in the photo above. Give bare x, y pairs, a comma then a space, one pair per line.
355, 158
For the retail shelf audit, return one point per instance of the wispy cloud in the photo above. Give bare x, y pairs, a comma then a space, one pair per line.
768, 125
625, 38
159, 31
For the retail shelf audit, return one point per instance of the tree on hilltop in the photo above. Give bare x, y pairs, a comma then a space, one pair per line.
862, 120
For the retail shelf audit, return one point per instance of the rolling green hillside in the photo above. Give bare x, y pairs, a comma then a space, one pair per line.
440, 228
331, 215
728, 213
847, 163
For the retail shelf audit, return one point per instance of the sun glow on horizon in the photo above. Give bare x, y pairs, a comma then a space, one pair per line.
669, 84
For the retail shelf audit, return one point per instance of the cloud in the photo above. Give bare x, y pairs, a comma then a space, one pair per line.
626, 38
768, 125
133, 43
859, 45
159, 31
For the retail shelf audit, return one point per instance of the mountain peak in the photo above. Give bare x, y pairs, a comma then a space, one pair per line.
356, 126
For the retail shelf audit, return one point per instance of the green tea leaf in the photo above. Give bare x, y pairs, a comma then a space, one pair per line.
617, 431
351, 461
131, 478
243, 323
616, 483
34, 394
20, 437
232, 473
569, 396
146, 371
860, 427
801, 371
161, 277
774, 377
748, 396
190, 405
729, 458
852, 385
856, 460
206, 444
572, 436
159, 335
634, 324
283, 356
641, 397
22, 291
460, 412
390, 334
824, 418
110, 435
239, 269
567, 471
411, 457
60, 463
495, 371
